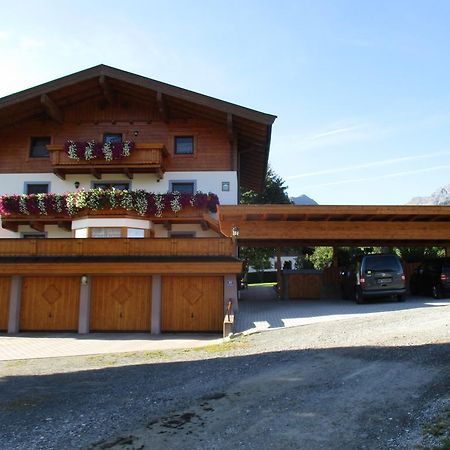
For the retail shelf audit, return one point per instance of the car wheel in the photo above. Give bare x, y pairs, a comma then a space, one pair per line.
436, 291
359, 298
400, 297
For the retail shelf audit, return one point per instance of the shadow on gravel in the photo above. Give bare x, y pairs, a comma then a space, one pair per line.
350, 386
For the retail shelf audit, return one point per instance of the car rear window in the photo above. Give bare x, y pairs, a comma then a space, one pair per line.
382, 263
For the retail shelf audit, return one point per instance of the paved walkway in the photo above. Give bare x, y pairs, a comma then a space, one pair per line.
48, 345
260, 310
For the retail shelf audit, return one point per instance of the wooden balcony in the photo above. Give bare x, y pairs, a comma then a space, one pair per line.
145, 158
117, 247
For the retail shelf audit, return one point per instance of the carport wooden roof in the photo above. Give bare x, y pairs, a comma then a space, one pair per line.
287, 225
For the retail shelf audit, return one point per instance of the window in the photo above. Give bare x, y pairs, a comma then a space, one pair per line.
225, 186
33, 235
182, 234
135, 233
120, 185
184, 187
38, 147
36, 188
184, 145
112, 137
106, 232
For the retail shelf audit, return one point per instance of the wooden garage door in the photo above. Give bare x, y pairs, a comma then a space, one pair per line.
121, 304
192, 303
5, 286
50, 304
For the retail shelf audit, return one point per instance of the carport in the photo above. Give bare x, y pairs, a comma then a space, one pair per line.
287, 226
284, 226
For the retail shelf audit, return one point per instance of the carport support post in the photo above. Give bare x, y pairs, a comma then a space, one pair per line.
279, 275
15, 295
156, 305
85, 305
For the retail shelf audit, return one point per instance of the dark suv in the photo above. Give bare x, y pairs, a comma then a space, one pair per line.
374, 276
432, 278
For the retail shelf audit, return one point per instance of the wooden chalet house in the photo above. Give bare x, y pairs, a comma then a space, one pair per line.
110, 185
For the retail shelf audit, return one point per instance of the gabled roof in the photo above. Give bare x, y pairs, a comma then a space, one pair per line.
251, 128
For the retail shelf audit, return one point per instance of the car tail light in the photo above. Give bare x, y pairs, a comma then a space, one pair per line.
403, 278
444, 277
362, 281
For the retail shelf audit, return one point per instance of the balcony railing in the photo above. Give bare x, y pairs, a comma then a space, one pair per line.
117, 247
145, 158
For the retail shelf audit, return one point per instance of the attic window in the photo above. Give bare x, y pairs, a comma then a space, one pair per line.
38, 147
184, 145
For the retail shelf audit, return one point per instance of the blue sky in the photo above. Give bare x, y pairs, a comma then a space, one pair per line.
361, 88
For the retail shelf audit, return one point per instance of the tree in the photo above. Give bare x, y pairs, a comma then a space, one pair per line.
274, 191
419, 254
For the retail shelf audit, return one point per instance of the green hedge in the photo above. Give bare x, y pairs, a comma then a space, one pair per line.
262, 277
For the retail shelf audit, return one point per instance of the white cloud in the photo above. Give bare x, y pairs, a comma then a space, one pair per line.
379, 177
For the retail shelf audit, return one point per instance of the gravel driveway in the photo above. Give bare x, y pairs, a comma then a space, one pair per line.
368, 382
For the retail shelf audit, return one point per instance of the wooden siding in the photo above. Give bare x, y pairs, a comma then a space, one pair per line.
121, 304
112, 246
192, 303
304, 285
5, 286
87, 120
50, 304
121, 268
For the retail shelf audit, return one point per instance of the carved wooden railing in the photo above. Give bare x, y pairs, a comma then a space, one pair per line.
118, 247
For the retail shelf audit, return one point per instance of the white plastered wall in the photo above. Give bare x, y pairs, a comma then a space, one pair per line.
205, 182
14, 183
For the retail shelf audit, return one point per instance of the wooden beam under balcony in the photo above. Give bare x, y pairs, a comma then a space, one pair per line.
12, 223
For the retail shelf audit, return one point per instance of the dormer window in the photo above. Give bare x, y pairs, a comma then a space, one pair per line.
38, 147
112, 137
184, 145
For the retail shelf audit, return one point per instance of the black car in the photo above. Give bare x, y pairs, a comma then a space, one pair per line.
377, 275
432, 278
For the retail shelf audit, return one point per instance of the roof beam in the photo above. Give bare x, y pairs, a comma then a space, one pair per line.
52, 109
106, 90
162, 107
230, 128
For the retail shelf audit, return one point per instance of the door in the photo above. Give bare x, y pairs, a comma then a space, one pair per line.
50, 304
5, 286
121, 303
192, 303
